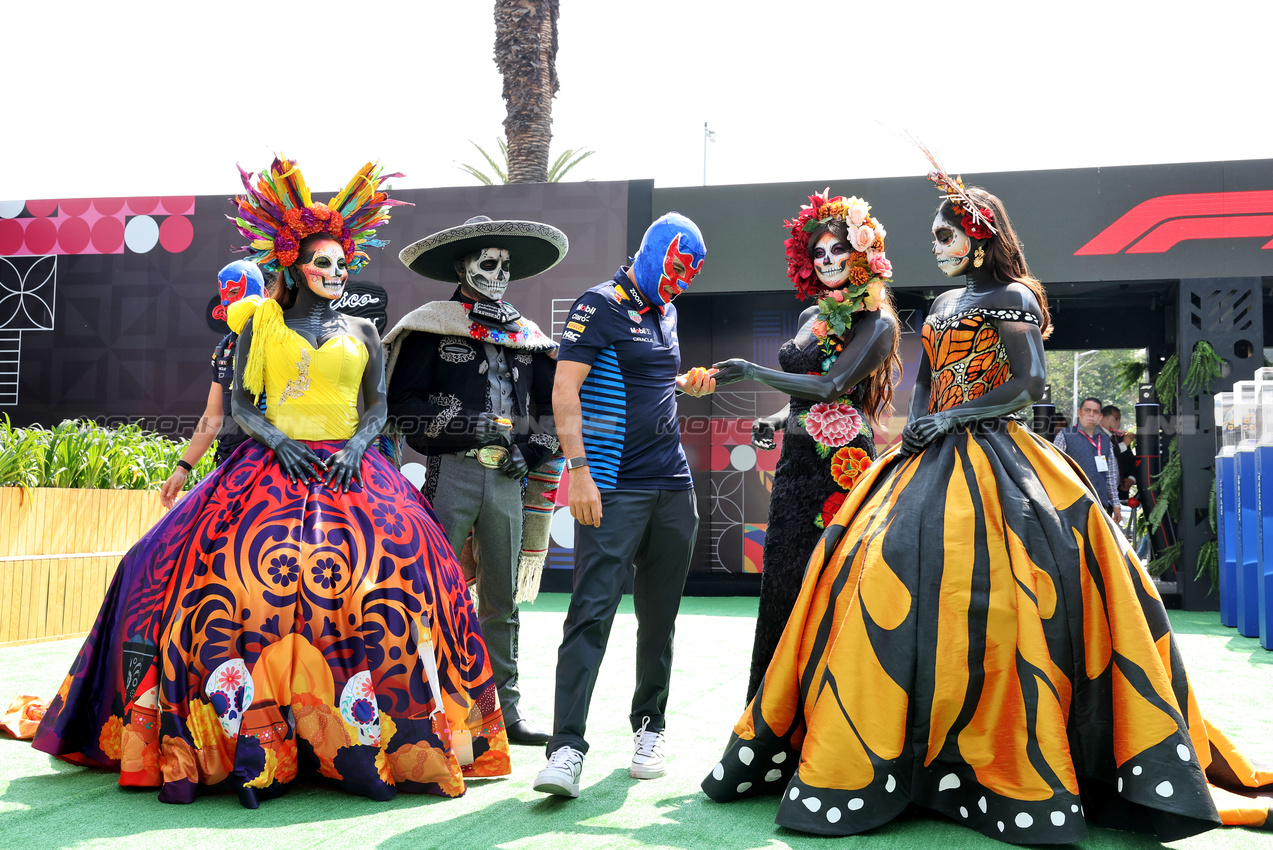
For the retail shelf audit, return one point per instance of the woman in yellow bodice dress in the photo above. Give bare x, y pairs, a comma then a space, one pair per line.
301, 609
974, 635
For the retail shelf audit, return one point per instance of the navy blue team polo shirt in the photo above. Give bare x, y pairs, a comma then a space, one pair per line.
630, 432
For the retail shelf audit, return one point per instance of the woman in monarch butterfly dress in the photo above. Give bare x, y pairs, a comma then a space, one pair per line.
300, 609
973, 635
839, 369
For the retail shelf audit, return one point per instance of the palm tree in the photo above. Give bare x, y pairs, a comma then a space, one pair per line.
567, 160
526, 54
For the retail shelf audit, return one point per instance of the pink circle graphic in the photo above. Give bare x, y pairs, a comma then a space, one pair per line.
181, 205
108, 235
41, 235
10, 237
176, 234
43, 208
74, 206
142, 206
108, 206
720, 458
73, 235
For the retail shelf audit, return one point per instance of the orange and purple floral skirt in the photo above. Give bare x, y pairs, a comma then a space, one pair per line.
266, 629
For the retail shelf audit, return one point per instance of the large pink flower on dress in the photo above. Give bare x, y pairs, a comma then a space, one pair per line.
834, 424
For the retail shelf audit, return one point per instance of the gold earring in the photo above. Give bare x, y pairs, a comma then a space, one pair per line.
978, 257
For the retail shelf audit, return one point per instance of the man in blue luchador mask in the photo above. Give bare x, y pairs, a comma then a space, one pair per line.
614, 400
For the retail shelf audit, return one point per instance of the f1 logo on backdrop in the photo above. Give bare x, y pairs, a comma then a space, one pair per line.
1159, 224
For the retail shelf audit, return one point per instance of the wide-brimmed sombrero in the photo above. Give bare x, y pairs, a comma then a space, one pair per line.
533, 247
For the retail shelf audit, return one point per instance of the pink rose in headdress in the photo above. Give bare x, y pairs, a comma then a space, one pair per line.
881, 266
834, 424
819, 329
861, 237
857, 214
838, 295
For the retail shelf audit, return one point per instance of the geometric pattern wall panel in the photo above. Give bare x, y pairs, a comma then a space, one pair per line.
28, 290
95, 226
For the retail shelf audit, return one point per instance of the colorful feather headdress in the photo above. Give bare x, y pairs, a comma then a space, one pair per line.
977, 222
278, 212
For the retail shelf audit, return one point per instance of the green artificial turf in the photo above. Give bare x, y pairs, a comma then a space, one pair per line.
46, 803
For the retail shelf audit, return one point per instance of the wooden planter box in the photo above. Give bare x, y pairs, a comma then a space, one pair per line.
58, 552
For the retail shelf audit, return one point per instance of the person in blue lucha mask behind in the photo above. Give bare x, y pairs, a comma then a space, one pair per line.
614, 400
236, 280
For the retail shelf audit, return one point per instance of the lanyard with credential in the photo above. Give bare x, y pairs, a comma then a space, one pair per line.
1096, 444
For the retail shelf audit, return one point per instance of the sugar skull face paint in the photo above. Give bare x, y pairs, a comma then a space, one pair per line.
831, 260
951, 246
486, 272
671, 254
325, 271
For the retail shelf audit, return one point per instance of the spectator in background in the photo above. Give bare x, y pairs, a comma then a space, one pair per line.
1092, 449
1112, 425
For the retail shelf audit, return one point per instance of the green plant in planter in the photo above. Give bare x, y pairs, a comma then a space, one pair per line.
82, 454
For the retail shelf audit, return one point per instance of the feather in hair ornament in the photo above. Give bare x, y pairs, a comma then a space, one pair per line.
278, 212
276, 215
977, 221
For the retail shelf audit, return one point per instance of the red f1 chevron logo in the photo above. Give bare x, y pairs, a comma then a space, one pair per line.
1157, 225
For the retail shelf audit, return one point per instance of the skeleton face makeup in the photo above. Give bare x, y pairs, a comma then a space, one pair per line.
951, 246
486, 272
325, 271
831, 260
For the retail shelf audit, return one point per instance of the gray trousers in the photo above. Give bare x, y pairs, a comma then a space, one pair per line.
653, 531
469, 497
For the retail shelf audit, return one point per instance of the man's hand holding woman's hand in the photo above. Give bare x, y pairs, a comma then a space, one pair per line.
697, 382
729, 371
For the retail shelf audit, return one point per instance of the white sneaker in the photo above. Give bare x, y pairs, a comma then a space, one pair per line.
561, 776
648, 761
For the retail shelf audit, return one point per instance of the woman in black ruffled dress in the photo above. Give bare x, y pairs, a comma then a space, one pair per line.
839, 369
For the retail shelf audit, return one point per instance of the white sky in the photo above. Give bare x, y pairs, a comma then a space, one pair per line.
140, 98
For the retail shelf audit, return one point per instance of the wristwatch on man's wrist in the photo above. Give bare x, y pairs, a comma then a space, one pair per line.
576, 462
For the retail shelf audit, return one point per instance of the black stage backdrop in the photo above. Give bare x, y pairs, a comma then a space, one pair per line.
105, 303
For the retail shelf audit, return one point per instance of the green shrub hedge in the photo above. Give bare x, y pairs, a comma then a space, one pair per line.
83, 454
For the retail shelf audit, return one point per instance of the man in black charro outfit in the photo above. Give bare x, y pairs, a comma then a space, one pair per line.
470, 387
